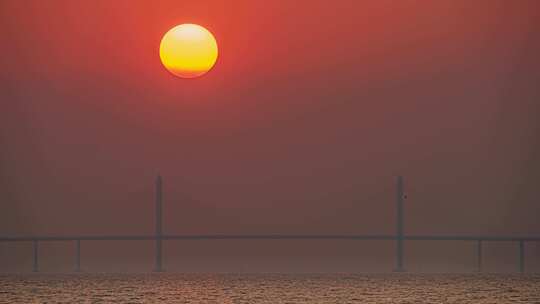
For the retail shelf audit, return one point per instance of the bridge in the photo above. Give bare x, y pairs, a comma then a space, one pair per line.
399, 237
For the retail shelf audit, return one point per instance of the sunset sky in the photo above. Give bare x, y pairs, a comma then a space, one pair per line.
311, 110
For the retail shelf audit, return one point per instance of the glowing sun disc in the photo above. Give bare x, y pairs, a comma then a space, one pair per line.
188, 50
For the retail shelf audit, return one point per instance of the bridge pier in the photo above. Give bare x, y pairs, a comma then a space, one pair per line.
158, 267
77, 255
521, 256
399, 225
479, 255
35, 266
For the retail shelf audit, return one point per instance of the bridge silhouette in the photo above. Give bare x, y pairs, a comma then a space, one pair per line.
399, 237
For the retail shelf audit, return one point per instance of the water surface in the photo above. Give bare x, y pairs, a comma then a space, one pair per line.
269, 288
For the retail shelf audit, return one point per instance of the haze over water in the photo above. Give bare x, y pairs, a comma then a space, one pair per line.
300, 128
270, 288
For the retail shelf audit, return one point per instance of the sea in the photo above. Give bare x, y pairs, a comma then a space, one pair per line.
270, 288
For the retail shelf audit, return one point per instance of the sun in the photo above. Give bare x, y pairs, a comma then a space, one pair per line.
188, 50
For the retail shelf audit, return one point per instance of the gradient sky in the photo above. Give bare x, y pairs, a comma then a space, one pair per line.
310, 112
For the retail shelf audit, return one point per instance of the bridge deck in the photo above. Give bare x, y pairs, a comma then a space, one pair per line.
381, 237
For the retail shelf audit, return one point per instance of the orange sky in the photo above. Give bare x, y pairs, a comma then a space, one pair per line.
308, 99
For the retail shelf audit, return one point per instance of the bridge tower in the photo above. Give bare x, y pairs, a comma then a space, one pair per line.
400, 196
159, 197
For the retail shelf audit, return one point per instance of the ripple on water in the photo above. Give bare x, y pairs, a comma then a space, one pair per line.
269, 288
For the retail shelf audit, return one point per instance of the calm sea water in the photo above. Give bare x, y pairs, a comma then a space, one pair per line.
269, 288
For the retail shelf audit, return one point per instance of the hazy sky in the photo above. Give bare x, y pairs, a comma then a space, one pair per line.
311, 111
